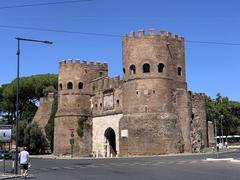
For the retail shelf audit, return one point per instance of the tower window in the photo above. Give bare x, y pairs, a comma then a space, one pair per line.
80, 85
60, 86
132, 69
179, 70
69, 85
160, 67
100, 74
117, 101
124, 70
146, 68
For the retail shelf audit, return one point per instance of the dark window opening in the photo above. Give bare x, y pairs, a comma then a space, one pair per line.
93, 87
118, 102
100, 104
160, 67
132, 69
124, 70
69, 85
153, 91
146, 109
146, 68
95, 105
192, 116
60, 87
80, 85
100, 73
179, 71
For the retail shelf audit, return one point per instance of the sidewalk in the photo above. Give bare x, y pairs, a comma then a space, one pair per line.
8, 176
51, 156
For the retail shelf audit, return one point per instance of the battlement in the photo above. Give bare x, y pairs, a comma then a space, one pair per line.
83, 63
104, 83
152, 33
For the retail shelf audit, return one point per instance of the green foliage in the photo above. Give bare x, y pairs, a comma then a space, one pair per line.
226, 113
49, 128
30, 90
34, 139
81, 122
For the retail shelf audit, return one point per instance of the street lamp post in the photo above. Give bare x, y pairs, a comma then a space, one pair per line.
222, 127
17, 96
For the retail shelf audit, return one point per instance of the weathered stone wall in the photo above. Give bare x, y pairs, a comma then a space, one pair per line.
198, 123
184, 115
211, 139
100, 125
44, 110
150, 134
82, 145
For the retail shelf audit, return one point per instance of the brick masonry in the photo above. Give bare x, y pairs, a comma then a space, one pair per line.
149, 111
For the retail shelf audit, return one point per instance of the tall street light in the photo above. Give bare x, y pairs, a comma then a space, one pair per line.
17, 98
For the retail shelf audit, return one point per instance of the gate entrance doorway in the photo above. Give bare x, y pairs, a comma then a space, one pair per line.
110, 140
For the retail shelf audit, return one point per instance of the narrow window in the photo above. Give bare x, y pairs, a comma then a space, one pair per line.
117, 101
146, 68
94, 87
124, 70
132, 69
60, 86
160, 67
80, 85
101, 105
69, 85
100, 74
179, 71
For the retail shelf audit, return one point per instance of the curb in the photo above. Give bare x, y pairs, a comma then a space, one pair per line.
223, 159
9, 176
164, 155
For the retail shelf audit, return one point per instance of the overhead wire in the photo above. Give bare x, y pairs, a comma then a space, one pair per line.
108, 35
43, 4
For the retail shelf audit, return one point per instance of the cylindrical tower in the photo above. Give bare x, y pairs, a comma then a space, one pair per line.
74, 94
74, 87
154, 69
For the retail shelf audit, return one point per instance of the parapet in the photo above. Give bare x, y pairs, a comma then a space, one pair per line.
104, 83
83, 63
141, 34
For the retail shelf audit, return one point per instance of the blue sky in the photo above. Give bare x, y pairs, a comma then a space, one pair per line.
211, 68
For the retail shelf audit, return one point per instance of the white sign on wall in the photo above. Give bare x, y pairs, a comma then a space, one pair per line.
5, 133
124, 133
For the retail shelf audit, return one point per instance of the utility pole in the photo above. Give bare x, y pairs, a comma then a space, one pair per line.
17, 96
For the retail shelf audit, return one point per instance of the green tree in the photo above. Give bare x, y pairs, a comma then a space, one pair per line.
30, 90
35, 139
225, 112
49, 128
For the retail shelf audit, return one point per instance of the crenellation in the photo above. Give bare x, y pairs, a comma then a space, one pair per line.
91, 62
132, 34
69, 61
62, 62
151, 32
162, 33
77, 61
141, 33
84, 62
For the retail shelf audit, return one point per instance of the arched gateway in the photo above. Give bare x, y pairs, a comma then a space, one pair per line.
110, 140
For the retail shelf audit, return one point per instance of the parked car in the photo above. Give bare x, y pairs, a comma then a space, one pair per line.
5, 154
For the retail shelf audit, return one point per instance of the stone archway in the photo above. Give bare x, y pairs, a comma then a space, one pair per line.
110, 140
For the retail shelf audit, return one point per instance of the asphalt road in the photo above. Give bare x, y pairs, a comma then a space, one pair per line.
185, 167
